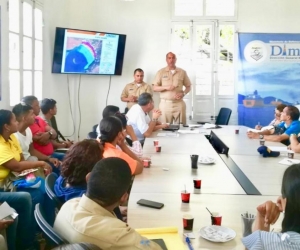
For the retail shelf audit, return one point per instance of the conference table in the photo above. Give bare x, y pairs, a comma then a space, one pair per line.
221, 190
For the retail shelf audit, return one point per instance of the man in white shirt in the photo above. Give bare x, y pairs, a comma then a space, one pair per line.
140, 120
25, 117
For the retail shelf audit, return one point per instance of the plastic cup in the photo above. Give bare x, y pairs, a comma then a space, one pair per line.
146, 163
247, 225
185, 196
197, 184
216, 219
188, 222
290, 154
262, 142
158, 149
194, 161
156, 142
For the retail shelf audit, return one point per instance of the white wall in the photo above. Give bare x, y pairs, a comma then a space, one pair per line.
147, 26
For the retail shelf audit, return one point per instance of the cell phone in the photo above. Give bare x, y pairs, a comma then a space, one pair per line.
161, 243
151, 204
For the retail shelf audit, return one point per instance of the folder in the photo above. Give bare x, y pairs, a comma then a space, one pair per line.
170, 236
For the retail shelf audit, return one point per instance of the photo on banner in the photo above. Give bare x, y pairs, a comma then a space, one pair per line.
268, 75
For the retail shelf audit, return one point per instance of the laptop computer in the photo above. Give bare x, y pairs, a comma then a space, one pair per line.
173, 126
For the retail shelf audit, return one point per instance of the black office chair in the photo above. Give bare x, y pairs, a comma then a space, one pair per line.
54, 239
223, 116
49, 186
93, 133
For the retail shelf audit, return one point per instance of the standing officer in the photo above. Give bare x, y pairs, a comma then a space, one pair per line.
133, 90
169, 81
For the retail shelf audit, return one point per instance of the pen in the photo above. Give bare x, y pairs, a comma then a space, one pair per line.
187, 240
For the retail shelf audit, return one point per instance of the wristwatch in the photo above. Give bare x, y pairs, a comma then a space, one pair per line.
261, 136
50, 133
154, 120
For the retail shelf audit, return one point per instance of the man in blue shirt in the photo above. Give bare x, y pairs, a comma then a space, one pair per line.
290, 125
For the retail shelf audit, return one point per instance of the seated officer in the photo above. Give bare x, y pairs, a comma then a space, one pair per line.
91, 218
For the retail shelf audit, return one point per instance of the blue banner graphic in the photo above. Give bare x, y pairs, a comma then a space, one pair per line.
268, 74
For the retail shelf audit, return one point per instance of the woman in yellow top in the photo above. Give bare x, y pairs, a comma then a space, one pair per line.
11, 157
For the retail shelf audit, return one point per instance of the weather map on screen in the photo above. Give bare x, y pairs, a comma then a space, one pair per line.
88, 52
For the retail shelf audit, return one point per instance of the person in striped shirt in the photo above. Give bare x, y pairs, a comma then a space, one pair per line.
268, 213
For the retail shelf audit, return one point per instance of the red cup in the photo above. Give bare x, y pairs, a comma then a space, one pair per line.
197, 184
146, 163
188, 222
185, 197
155, 142
158, 148
216, 219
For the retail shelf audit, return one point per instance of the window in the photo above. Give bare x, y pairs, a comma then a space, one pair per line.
25, 49
205, 8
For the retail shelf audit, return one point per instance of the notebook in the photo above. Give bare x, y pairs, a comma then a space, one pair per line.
169, 235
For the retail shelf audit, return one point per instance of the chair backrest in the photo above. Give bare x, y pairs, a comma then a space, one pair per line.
223, 116
217, 144
54, 126
49, 185
55, 238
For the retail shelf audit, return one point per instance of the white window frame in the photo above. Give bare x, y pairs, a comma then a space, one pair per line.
204, 17
33, 91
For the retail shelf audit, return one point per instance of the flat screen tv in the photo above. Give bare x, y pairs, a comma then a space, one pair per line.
88, 52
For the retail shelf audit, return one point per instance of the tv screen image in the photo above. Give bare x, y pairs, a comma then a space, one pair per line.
88, 52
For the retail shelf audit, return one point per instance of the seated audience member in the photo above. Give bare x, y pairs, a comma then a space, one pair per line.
267, 213
78, 246
42, 133
91, 218
133, 143
49, 110
78, 162
295, 143
108, 111
281, 133
112, 135
19, 235
277, 116
139, 119
25, 117
12, 160
136, 147
11, 157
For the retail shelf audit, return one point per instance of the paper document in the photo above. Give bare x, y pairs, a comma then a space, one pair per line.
287, 161
278, 149
188, 131
6, 210
169, 234
262, 129
209, 125
172, 134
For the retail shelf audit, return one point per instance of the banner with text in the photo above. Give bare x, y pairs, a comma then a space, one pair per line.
268, 74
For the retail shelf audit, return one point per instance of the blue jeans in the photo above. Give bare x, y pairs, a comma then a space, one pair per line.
20, 235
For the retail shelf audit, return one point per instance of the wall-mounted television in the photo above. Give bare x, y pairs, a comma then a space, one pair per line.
88, 52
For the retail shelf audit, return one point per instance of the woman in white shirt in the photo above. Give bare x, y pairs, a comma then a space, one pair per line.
268, 213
